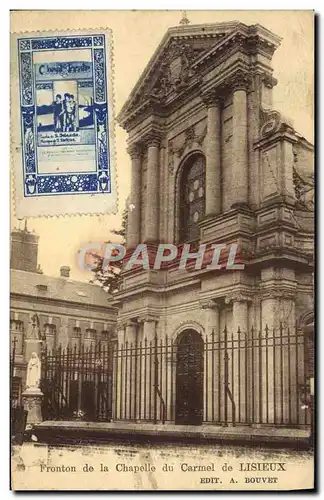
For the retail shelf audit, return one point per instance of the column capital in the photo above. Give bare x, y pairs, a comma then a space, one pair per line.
212, 98
144, 318
239, 81
152, 139
135, 151
120, 325
131, 323
209, 304
238, 297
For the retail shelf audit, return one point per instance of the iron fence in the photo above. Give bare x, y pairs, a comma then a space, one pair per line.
259, 377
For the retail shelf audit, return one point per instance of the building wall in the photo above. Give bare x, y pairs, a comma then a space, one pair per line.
24, 250
57, 326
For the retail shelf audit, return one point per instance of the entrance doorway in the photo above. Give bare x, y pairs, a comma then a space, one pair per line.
189, 378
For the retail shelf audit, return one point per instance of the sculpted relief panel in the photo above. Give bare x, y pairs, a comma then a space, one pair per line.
270, 162
192, 138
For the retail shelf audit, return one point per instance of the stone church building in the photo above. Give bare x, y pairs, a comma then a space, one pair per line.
213, 162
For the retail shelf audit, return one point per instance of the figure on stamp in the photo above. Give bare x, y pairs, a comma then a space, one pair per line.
69, 106
58, 113
33, 372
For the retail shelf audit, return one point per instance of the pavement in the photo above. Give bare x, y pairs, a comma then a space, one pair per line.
87, 432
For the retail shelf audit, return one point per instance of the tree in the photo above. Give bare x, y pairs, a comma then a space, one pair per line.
108, 277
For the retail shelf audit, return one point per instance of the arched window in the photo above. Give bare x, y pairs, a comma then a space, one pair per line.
192, 197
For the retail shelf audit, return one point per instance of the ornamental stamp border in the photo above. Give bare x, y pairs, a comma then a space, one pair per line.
69, 191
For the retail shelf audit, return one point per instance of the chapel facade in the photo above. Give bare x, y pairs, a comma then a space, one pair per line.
212, 162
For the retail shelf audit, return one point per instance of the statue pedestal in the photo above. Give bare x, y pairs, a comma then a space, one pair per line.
32, 400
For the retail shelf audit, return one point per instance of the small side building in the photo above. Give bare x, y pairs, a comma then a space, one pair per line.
62, 311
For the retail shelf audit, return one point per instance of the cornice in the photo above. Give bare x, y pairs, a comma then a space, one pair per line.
62, 303
252, 39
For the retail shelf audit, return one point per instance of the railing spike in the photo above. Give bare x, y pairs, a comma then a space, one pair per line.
266, 330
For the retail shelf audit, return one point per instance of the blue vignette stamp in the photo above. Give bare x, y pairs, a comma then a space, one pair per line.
64, 114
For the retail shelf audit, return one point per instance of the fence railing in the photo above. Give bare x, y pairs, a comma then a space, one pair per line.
259, 377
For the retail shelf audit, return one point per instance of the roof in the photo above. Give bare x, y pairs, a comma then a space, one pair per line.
57, 288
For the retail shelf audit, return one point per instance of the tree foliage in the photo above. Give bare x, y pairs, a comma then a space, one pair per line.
108, 276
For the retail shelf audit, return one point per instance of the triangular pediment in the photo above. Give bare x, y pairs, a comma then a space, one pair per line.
170, 67
176, 65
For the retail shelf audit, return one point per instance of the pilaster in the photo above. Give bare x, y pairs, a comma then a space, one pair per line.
239, 165
151, 229
134, 206
239, 357
213, 153
211, 309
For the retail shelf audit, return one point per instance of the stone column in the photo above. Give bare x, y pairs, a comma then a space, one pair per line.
238, 360
129, 376
120, 334
131, 331
211, 318
151, 230
148, 367
134, 206
269, 324
149, 325
282, 358
213, 155
239, 177
240, 314
211, 362
118, 383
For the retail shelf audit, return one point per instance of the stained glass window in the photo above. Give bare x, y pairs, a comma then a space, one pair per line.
192, 198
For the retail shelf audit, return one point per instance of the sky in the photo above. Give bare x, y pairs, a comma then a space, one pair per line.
136, 36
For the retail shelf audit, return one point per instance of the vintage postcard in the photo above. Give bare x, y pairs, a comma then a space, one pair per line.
62, 123
166, 342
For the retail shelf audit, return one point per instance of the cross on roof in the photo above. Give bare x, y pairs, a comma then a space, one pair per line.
184, 19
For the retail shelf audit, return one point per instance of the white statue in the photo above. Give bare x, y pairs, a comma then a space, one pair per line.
33, 372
